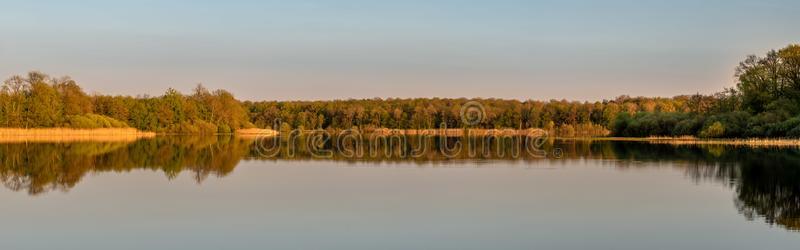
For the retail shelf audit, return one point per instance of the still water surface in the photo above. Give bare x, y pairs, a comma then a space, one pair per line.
224, 193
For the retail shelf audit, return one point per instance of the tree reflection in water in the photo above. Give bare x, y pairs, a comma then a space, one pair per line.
766, 180
40, 167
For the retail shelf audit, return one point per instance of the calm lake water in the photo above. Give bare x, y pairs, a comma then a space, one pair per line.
236, 193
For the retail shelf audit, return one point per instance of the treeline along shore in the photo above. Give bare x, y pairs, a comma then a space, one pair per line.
765, 103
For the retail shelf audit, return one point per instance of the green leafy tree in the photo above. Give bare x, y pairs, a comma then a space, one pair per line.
715, 130
44, 108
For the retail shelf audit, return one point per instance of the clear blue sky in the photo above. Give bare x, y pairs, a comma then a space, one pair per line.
288, 50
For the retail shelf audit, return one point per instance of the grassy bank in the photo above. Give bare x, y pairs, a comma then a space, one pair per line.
458, 132
70, 134
99, 134
255, 132
688, 140
131, 134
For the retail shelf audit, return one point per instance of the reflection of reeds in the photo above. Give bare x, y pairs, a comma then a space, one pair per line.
70, 135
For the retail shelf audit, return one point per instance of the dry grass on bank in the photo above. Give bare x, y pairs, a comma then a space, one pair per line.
70, 135
458, 132
248, 132
690, 140
734, 142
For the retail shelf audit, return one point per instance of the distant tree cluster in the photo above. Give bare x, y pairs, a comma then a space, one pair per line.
39, 101
202, 112
567, 118
765, 103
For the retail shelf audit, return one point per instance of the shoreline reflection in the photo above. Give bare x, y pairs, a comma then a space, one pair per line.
766, 181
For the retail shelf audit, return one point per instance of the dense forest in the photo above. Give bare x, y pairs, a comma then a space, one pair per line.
764, 103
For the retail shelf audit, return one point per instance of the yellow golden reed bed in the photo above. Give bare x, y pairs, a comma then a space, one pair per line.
69, 135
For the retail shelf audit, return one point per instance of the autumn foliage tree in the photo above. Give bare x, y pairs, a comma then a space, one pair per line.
40, 101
